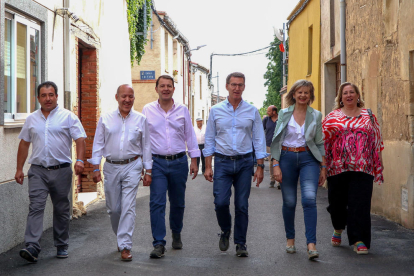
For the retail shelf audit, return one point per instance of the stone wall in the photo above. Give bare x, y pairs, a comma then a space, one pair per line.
380, 45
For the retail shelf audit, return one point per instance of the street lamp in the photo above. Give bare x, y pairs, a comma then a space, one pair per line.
218, 92
198, 48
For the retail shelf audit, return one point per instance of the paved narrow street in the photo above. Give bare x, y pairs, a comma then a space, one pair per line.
92, 248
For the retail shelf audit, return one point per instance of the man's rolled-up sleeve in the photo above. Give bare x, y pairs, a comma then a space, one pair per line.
98, 144
259, 140
209, 142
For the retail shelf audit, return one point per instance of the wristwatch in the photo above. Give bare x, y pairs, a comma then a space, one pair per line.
261, 165
148, 173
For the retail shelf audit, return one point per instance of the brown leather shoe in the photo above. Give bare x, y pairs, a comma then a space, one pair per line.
126, 255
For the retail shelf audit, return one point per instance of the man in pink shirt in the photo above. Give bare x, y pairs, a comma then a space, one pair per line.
170, 129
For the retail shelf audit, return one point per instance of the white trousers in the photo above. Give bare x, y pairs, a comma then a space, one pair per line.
121, 187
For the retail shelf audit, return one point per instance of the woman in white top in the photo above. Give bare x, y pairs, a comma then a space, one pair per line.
298, 153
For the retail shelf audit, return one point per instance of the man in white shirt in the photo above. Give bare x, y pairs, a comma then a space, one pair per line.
200, 131
50, 129
122, 137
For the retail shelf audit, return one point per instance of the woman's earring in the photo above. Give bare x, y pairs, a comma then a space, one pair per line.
358, 100
341, 103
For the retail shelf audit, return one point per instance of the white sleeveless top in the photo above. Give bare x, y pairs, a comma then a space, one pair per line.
295, 135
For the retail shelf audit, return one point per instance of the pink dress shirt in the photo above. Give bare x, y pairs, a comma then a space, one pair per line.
169, 131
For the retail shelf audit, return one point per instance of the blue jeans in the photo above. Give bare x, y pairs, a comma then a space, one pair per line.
239, 174
168, 175
305, 166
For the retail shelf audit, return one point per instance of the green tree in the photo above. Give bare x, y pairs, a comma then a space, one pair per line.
135, 14
273, 76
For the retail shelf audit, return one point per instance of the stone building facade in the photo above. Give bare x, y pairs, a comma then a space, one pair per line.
380, 60
34, 48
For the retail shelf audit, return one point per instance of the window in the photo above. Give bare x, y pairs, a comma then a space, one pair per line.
166, 52
310, 42
22, 66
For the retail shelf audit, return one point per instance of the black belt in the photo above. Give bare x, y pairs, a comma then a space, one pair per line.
169, 157
123, 162
64, 165
235, 157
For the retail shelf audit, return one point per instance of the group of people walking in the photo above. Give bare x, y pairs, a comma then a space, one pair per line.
152, 146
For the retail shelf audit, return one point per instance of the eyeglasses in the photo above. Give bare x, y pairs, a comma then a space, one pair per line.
234, 85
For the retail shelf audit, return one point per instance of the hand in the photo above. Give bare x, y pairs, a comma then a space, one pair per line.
208, 174
258, 175
147, 180
322, 177
277, 172
19, 177
193, 168
79, 166
97, 176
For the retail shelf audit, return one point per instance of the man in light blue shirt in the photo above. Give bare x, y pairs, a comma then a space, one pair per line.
234, 129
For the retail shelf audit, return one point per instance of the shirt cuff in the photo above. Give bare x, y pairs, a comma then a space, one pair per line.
147, 165
261, 155
79, 136
208, 152
95, 160
194, 153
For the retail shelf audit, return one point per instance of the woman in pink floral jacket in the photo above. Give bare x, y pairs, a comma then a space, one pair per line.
353, 146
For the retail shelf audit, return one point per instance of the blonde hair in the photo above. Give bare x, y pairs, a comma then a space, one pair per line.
298, 84
338, 99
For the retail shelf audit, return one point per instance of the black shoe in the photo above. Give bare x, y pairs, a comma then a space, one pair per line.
224, 240
241, 250
158, 251
272, 184
176, 243
29, 254
278, 186
62, 253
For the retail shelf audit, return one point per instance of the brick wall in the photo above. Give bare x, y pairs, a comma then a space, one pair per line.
89, 109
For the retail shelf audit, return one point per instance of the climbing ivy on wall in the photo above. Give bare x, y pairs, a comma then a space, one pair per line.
135, 13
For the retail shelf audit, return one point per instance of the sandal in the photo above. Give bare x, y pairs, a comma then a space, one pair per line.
290, 249
360, 248
336, 239
313, 254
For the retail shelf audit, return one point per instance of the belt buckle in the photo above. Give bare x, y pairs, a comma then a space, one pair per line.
295, 150
166, 157
232, 158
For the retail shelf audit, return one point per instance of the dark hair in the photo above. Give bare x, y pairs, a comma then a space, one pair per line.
47, 84
274, 108
235, 75
167, 77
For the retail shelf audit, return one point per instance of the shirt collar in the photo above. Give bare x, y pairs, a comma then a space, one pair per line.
119, 113
172, 107
226, 101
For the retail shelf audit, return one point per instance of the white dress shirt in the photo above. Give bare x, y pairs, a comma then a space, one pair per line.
295, 135
51, 137
200, 134
119, 138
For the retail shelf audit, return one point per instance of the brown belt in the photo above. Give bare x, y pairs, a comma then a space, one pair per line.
299, 149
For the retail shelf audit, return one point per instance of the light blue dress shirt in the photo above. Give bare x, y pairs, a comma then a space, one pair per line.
234, 132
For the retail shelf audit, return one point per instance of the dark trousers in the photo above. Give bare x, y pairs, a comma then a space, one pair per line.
171, 176
203, 161
57, 183
349, 196
237, 173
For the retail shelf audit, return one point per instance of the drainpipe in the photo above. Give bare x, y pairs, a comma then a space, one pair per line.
343, 42
66, 56
66, 77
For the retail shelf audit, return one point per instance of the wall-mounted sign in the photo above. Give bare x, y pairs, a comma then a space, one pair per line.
147, 75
